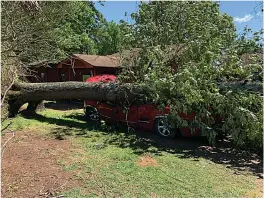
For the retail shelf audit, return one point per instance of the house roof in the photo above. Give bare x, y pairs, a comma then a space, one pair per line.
99, 61
112, 61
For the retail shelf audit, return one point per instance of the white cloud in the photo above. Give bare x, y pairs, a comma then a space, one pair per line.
259, 14
246, 18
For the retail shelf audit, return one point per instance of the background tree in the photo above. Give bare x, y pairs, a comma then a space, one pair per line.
78, 31
27, 37
110, 39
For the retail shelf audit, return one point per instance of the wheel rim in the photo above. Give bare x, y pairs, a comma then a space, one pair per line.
163, 128
93, 115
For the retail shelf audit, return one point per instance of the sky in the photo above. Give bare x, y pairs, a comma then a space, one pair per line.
244, 12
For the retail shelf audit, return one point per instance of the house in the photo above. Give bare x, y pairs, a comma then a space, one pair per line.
77, 67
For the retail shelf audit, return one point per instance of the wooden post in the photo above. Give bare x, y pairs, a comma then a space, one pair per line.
69, 74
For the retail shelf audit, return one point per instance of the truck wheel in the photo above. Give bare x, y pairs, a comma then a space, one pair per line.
163, 129
92, 114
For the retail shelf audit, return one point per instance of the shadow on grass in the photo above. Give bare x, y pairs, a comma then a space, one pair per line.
194, 147
142, 142
64, 127
64, 105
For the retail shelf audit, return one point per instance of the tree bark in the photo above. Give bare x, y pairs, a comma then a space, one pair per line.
33, 106
64, 90
33, 93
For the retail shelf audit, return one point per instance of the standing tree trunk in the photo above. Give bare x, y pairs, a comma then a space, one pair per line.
34, 105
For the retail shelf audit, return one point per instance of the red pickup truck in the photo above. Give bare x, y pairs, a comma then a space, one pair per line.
145, 117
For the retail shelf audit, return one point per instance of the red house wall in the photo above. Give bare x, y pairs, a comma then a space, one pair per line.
79, 72
52, 75
64, 71
106, 70
42, 70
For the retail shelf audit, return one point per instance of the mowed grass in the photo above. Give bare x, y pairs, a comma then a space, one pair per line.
114, 163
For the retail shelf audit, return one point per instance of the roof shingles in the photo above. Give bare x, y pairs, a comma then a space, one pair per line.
99, 61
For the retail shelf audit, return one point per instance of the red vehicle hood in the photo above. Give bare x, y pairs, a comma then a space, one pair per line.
102, 78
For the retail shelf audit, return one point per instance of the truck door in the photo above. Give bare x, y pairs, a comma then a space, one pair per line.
107, 110
128, 115
146, 115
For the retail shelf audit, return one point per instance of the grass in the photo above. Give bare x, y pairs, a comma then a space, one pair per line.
107, 163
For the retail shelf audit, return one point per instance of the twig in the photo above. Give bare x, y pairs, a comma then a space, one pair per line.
3, 98
60, 187
6, 126
73, 64
2, 149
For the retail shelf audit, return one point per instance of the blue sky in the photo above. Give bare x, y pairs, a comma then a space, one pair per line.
244, 12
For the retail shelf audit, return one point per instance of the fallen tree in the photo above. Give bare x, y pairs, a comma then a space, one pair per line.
33, 93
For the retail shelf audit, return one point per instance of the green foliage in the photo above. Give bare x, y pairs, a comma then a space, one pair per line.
77, 31
110, 39
186, 49
49, 31
249, 41
27, 33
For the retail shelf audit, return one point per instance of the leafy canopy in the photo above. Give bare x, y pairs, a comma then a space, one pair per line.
186, 49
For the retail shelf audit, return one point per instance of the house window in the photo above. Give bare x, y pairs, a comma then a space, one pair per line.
42, 77
84, 77
62, 77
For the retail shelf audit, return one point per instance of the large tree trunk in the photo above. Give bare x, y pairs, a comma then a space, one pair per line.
75, 90
33, 93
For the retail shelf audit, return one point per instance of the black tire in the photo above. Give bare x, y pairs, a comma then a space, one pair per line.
162, 128
92, 114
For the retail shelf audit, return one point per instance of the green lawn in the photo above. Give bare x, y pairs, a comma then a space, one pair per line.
108, 163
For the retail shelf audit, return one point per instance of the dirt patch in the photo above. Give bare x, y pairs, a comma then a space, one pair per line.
257, 192
30, 166
147, 160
